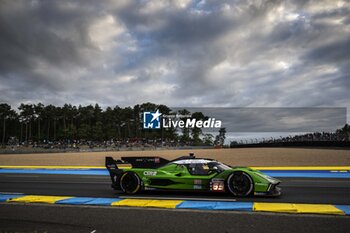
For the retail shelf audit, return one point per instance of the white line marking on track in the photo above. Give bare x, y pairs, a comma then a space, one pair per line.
94, 177
31, 176
317, 181
176, 198
93, 231
10, 193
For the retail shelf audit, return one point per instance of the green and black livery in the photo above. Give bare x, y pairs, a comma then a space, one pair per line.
134, 174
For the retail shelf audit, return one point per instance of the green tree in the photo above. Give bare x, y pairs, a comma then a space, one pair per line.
6, 113
97, 131
109, 122
84, 132
197, 132
27, 116
97, 114
220, 138
47, 116
185, 137
344, 132
208, 139
91, 122
233, 144
38, 113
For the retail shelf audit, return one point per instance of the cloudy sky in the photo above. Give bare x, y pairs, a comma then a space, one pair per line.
240, 53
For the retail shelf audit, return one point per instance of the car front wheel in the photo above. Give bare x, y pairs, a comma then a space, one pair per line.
240, 184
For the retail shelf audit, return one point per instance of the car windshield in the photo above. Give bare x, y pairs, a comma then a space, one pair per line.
200, 168
206, 168
219, 166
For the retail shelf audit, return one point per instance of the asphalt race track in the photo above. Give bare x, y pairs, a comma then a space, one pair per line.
297, 190
18, 217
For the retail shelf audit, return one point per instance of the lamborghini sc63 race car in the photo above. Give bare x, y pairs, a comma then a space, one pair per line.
134, 174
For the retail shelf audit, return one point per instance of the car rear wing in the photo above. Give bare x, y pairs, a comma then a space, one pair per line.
135, 162
112, 164
114, 171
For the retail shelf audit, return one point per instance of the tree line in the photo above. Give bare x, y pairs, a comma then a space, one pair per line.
37, 122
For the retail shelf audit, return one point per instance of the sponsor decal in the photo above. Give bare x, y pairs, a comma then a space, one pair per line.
217, 184
197, 186
197, 181
217, 179
150, 173
147, 160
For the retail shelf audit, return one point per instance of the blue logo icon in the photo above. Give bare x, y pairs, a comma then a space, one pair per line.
151, 120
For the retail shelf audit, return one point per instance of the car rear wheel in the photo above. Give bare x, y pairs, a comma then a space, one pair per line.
130, 183
240, 184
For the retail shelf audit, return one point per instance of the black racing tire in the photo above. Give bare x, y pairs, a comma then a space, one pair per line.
130, 183
240, 184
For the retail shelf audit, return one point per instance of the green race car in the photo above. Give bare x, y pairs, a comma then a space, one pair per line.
134, 174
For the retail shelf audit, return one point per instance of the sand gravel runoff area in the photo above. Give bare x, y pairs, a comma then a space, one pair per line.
234, 157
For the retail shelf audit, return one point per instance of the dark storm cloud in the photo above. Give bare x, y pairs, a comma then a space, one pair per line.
43, 30
180, 53
336, 52
39, 42
181, 37
190, 39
